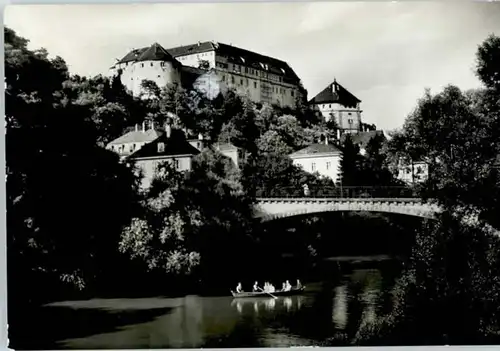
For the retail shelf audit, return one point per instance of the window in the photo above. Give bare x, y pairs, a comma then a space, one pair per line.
241, 81
350, 114
328, 165
330, 106
255, 85
151, 64
158, 76
232, 79
313, 166
223, 78
291, 92
350, 121
176, 163
161, 147
246, 70
142, 64
246, 81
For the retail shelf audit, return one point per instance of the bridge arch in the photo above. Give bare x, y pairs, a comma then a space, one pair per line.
268, 209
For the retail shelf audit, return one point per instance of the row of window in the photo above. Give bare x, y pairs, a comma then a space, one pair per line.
203, 54
121, 148
250, 71
313, 166
162, 64
175, 162
245, 82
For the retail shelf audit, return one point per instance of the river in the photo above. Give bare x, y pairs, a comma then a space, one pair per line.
329, 313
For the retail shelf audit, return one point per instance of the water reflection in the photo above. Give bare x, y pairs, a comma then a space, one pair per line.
339, 315
332, 311
268, 304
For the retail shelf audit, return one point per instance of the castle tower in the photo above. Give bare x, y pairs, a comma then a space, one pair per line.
157, 65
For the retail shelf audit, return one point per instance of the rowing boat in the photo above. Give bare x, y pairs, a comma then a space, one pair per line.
293, 291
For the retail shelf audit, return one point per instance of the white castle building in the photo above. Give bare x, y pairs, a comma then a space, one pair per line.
212, 67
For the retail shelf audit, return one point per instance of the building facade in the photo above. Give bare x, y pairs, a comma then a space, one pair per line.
338, 104
323, 159
261, 78
170, 147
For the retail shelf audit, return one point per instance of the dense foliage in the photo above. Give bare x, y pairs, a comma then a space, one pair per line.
67, 198
449, 292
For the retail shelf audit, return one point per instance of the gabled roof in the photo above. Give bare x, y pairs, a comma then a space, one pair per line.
362, 138
132, 55
137, 137
335, 93
175, 145
316, 149
156, 53
192, 49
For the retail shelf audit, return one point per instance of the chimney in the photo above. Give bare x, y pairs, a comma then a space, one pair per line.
144, 126
136, 127
199, 43
168, 127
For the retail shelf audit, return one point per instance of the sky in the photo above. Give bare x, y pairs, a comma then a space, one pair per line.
385, 53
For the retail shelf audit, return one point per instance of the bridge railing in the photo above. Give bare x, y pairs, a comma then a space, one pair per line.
339, 192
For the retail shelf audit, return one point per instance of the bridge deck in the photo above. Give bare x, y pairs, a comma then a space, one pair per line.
337, 199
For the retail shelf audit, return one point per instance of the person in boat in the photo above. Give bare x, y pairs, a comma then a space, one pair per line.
271, 288
256, 287
288, 287
283, 287
299, 285
239, 288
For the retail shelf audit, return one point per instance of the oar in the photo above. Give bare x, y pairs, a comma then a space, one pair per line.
268, 293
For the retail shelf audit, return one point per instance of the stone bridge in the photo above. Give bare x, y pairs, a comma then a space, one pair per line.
273, 208
281, 203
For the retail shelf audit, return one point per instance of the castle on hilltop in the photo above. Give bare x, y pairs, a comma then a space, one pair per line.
213, 68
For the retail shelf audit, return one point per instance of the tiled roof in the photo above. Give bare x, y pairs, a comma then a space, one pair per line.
192, 49
362, 138
132, 55
175, 145
156, 53
316, 149
335, 93
137, 137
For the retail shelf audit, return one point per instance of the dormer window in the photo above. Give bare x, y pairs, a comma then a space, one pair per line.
142, 64
161, 147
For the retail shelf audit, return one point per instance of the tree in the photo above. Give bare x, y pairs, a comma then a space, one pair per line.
488, 62
54, 169
350, 164
375, 170
190, 219
450, 290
